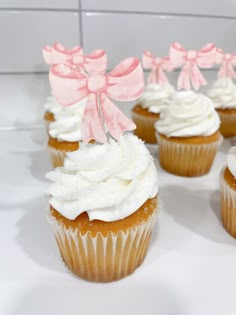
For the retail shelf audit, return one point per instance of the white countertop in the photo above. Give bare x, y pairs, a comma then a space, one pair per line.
189, 269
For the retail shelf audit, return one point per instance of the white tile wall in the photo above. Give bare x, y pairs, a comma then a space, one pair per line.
48, 4
210, 7
124, 35
23, 34
121, 27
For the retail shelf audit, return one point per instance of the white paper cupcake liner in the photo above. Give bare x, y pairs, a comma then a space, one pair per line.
187, 159
103, 259
228, 123
56, 156
145, 129
228, 205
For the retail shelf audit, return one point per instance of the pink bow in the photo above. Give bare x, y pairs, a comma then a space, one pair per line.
95, 62
157, 66
191, 61
124, 83
227, 61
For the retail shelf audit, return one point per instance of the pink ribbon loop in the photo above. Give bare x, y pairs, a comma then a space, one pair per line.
157, 66
227, 61
190, 61
95, 62
124, 83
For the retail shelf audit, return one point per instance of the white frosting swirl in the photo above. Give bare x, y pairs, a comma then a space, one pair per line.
52, 105
109, 181
190, 114
231, 160
67, 124
223, 93
156, 97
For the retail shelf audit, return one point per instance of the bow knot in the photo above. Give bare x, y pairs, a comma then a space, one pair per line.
191, 55
97, 83
124, 83
227, 61
190, 61
158, 66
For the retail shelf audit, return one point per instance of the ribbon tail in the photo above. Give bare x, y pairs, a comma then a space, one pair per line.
184, 78
161, 77
115, 121
152, 78
92, 126
230, 73
197, 78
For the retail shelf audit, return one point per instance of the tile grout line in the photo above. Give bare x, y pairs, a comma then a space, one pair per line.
93, 11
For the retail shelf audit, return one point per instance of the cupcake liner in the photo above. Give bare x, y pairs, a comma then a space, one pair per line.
187, 159
103, 258
56, 156
228, 205
228, 123
145, 129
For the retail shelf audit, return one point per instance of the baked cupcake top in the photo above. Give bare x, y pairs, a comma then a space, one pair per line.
156, 97
109, 181
231, 160
189, 114
67, 124
223, 93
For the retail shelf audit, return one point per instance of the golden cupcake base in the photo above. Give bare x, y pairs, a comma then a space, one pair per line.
228, 122
104, 251
145, 122
191, 156
58, 149
228, 201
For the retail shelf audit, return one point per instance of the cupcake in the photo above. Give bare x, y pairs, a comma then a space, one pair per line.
65, 132
188, 135
103, 205
228, 193
223, 95
154, 99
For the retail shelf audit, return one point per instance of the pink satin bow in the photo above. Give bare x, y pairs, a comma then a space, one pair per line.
95, 62
157, 66
227, 61
191, 61
124, 83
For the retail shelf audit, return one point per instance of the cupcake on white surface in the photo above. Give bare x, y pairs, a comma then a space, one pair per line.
157, 95
188, 134
228, 193
223, 93
103, 201
187, 130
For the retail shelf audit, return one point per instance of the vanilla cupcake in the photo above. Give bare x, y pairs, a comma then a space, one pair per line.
154, 99
228, 193
103, 205
188, 135
223, 95
65, 132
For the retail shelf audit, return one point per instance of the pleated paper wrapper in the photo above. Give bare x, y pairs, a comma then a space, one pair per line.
228, 124
103, 258
145, 129
187, 159
56, 156
228, 205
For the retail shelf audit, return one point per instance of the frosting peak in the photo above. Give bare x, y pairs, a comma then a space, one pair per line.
231, 160
190, 114
223, 93
156, 97
67, 124
109, 181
